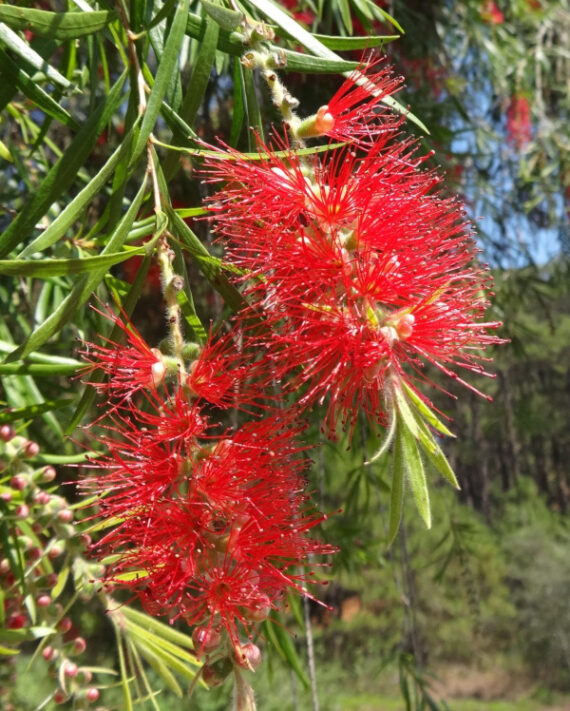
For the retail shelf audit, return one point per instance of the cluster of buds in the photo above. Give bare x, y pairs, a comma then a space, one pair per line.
38, 549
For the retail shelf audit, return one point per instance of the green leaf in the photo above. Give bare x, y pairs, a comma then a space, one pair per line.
163, 76
72, 211
398, 485
127, 698
31, 411
45, 268
436, 455
82, 290
64, 172
157, 664
347, 44
416, 474
227, 19
425, 411
26, 634
62, 577
275, 632
196, 88
6, 651
13, 42
11, 72
405, 411
165, 631
56, 25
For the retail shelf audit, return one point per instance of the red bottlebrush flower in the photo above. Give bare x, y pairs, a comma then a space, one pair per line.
207, 532
355, 113
519, 127
131, 367
491, 13
362, 270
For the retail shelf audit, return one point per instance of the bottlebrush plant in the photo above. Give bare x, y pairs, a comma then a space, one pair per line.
348, 279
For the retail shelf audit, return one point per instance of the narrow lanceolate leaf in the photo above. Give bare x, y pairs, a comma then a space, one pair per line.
425, 411
31, 411
63, 173
82, 289
436, 455
398, 484
416, 474
350, 43
405, 412
127, 696
163, 76
275, 632
165, 631
74, 209
227, 19
56, 25
158, 665
59, 267
12, 73
10, 40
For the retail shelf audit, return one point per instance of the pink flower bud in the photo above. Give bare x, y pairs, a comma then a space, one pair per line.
43, 601
55, 551
60, 697
31, 449
6, 496
79, 645
248, 656
49, 653
92, 694
7, 432
205, 640
18, 482
48, 474
70, 669
64, 625
65, 515
22, 511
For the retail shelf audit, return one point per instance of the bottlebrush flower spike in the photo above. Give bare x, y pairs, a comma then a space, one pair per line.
363, 271
210, 532
519, 127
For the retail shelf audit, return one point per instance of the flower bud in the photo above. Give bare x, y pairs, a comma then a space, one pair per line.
49, 653
64, 625
65, 515
31, 449
92, 694
79, 645
70, 669
19, 482
205, 640
248, 656
7, 432
216, 673
43, 601
48, 475
22, 511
